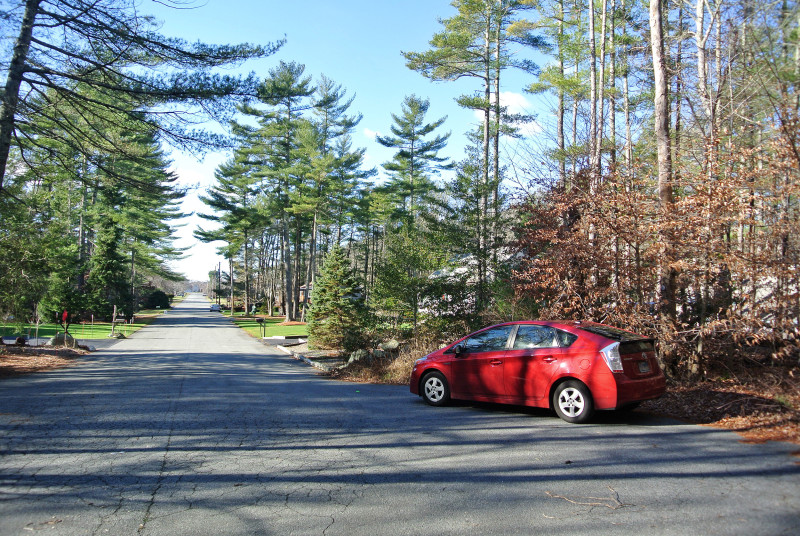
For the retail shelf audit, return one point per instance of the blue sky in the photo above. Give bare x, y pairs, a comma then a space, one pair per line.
356, 43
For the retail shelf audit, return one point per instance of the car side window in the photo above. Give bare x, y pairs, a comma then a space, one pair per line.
535, 337
488, 341
565, 338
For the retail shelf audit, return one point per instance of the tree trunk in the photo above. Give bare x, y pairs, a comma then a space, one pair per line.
133, 279
668, 276
797, 61
498, 119
562, 170
678, 97
288, 281
272, 264
230, 267
298, 258
246, 275
575, 107
81, 279
701, 39
600, 95
593, 164
312, 259
483, 223
612, 97
627, 101
16, 70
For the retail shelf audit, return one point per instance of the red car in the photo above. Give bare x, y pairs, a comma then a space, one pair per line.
571, 367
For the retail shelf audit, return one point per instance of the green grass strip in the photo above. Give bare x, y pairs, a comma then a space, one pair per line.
272, 327
88, 331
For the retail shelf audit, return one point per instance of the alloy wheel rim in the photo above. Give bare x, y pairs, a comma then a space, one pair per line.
571, 402
434, 389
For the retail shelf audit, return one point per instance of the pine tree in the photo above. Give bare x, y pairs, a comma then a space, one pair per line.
401, 282
72, 200
233, 201
273, 145
464, 228
417, 156
110, 48
338, 313
107, 284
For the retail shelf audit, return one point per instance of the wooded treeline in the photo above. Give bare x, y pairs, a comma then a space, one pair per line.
659, 192
662, 197
676, 209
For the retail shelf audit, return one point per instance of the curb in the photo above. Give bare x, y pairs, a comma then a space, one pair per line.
325, 367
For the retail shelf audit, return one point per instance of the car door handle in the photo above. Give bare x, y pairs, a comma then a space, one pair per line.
549, 359
496, 362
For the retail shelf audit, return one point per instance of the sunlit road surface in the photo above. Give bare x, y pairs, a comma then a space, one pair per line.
192, 427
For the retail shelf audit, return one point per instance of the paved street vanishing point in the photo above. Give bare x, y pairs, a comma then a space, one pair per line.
192, 427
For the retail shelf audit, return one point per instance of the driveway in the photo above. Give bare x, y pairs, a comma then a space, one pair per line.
192, 427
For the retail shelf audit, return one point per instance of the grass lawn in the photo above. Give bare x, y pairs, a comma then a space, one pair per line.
98, 330
150, 312
273, 327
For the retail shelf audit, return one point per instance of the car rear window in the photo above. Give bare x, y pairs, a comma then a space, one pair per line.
609, 332
634, 347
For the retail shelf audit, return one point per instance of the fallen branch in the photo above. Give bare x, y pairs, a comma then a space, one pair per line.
609, 502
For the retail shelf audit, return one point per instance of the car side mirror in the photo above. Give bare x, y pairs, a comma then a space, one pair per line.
458, 349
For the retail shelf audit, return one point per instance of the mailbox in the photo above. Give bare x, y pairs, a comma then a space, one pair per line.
262, 326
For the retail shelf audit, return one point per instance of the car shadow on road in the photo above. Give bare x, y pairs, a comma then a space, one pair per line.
604, 417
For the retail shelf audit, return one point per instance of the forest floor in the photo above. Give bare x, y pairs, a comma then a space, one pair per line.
761, 405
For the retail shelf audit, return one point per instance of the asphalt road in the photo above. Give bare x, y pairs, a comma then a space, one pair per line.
191, 427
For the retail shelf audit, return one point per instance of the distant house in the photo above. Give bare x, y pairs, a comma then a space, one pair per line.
303, 289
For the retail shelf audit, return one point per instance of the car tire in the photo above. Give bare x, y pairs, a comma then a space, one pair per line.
572, 401
434, 389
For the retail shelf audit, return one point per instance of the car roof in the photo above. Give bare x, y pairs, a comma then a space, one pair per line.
595, 328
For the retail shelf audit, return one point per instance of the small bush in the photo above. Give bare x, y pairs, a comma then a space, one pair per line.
157, 299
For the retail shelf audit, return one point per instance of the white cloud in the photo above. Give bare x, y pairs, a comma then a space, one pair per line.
516, 103
371, 133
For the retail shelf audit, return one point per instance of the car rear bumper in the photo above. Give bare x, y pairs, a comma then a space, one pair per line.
641, 389
621, 390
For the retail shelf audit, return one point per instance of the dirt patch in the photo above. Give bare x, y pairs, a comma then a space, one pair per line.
17, 360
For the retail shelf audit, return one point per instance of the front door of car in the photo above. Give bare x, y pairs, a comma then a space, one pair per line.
478, 368
530, 362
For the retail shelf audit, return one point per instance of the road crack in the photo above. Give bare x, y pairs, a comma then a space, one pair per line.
173, 411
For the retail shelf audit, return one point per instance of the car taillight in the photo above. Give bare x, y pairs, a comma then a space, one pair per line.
612, 358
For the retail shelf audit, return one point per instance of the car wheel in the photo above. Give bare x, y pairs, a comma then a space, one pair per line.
573, 402
435, 390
